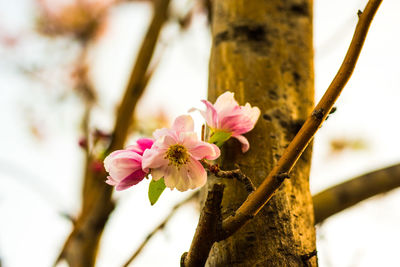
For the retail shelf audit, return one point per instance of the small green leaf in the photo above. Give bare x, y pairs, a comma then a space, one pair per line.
219, 137
155, 190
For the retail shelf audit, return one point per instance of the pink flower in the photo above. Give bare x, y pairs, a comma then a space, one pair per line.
176, 153
227, 116
125, 165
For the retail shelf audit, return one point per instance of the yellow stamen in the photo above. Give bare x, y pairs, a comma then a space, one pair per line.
177, 155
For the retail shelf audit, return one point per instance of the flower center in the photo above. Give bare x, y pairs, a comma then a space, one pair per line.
177, 155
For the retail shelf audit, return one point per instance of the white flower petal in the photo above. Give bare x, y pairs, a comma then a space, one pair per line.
171, 176
154, 158
244, 141
183, 123
226, 101
205, 150
197, 174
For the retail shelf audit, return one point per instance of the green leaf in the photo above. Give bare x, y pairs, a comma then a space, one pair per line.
155, 190
219, 137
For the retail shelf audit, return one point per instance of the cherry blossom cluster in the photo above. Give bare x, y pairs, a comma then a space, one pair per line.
174, 154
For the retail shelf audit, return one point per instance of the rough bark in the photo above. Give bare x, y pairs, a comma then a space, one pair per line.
262, 51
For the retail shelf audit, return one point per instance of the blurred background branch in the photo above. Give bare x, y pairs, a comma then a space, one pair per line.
342, 196
81, 246
326, 203
159, 227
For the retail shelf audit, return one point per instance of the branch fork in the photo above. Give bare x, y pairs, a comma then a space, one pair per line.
208, 229
232, 174
260, 197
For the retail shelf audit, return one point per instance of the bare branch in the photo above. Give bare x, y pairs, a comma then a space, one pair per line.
207, 229
138, 76
349, 193
233, 174
326, 203
257, 200
160, 226
81, 246
268, 187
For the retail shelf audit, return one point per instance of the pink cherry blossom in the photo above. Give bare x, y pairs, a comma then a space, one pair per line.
176, 153
125, 165
226, 115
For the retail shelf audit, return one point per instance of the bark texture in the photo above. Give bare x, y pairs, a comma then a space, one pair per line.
262, 51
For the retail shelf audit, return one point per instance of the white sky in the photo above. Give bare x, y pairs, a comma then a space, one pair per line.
41, 178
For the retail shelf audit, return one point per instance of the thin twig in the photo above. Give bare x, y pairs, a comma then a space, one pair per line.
347, 194
207, 230
256, 200
232, 174
81, 246
35, 184
135, 85
270, 185
161, 226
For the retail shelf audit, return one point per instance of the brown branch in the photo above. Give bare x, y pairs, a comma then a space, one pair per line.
256, 200
203, 127
81, 246
349, 193
207, 230
135, 84
161, 226
232, 174
326, 203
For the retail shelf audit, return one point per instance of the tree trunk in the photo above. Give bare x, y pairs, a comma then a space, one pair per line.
262, 51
